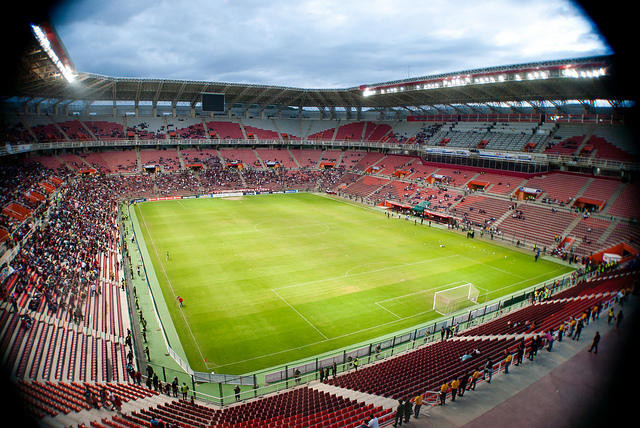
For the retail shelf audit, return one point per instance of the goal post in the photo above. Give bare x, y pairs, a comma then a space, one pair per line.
451, 299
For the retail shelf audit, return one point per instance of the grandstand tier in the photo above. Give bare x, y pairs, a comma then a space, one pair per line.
68, 331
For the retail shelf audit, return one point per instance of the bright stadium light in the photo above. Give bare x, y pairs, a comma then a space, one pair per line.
484, 79
66, 71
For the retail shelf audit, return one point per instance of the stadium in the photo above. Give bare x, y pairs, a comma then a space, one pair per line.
194, 253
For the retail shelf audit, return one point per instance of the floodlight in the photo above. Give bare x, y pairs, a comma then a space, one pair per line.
42, 38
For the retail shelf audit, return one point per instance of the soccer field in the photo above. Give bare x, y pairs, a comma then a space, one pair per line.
270, 279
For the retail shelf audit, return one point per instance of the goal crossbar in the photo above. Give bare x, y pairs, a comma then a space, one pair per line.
447, 301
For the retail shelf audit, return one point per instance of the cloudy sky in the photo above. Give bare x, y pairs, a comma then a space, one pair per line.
318, 43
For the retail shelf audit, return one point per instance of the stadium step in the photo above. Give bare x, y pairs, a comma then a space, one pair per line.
573, 224
293, 157
262, 165
242, 128
584, 188
180, 158
499, 220
613, 198
376, 400
138, 160
605, 235
586, 139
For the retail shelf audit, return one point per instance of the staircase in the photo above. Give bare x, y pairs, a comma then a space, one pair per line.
605, 235
586, 140
574, 223
138, 160
181, 159
613, 198
293, 157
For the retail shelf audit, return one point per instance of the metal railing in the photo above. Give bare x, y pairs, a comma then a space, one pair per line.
421, 149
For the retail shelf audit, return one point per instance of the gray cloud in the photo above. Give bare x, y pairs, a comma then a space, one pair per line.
314, 43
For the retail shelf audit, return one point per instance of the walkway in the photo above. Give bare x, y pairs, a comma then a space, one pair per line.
567, 387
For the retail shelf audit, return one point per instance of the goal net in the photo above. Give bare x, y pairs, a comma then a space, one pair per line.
452, 299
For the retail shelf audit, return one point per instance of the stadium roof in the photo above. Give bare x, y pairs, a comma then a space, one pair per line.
584, 80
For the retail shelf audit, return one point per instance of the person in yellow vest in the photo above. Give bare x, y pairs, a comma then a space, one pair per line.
560, 332
443, 392
474, 378
455, 383
417, 403
507, 361
572, 326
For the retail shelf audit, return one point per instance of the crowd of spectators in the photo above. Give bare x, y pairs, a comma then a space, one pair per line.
57, 264
178, 184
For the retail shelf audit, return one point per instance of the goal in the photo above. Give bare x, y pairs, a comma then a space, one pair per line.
452, 299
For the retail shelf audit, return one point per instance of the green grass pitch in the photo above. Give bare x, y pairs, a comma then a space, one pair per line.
271, 279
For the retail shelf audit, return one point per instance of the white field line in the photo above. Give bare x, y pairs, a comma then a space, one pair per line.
359, 331
171, 287
378, 303
365, 273
301, 316
525, 280
328, 339
491, 267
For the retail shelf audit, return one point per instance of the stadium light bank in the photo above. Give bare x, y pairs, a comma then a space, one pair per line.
459, 80
42, 38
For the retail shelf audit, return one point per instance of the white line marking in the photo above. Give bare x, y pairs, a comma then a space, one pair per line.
301, 316
411, 294
392, 313
366, 273
169, 283
491, 267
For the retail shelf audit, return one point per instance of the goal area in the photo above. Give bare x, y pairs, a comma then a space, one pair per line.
452, 299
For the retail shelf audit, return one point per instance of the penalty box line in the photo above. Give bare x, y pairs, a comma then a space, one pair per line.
364, 273
274, 290
378, 303
341, 277
302, 316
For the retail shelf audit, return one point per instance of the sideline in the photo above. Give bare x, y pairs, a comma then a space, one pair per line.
145, 291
